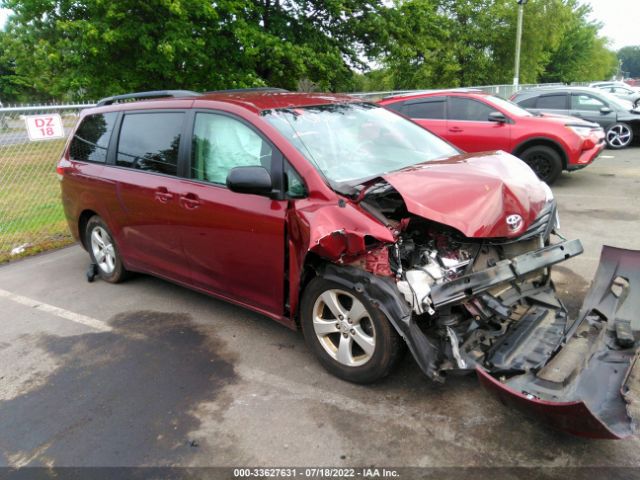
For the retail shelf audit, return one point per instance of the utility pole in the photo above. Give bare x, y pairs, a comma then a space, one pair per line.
516, 74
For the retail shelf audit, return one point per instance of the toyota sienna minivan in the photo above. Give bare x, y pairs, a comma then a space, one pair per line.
364, 230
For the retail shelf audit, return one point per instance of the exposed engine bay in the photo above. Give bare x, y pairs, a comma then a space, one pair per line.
469, 326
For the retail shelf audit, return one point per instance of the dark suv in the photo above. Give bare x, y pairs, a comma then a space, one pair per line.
618, 117
363, 229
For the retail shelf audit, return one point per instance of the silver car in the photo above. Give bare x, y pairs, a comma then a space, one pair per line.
622, 91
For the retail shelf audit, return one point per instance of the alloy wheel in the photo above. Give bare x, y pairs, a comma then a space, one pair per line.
619, 136
344, 328
103, 250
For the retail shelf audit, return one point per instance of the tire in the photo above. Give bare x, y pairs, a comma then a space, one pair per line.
339, 351
619, 135
544, 161
104, 252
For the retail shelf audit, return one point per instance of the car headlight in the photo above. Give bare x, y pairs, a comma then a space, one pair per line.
580, 130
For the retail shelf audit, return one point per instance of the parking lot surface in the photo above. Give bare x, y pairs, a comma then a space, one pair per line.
149, 373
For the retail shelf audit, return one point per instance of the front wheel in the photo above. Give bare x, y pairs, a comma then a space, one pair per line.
544, 161
619, 135
351, 338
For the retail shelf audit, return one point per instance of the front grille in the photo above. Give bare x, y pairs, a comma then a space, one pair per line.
543, 224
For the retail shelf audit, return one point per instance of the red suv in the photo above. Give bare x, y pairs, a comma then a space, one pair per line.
476, 122
363, 229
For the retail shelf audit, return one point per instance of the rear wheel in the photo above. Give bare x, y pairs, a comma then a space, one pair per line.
544, 161
619, 135
351, 338
103, 251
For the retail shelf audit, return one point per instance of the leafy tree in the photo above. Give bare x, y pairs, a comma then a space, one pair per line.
630, 57
580, 55
419, 52
92, 48
68, 49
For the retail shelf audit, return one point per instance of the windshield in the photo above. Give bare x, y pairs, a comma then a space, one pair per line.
510, 107
621, 103
356, 141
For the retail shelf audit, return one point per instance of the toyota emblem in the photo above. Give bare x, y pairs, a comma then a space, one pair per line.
514, 222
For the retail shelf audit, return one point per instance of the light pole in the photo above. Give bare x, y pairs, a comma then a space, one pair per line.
516, 72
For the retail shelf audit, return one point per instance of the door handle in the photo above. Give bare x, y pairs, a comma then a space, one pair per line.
190, 201
456, 129
163, 195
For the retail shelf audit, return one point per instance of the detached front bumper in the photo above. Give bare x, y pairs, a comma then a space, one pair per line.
591, 385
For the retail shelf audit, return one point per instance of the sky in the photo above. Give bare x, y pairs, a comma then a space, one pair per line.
620, 19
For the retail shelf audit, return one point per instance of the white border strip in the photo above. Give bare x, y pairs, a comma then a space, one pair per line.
57, 311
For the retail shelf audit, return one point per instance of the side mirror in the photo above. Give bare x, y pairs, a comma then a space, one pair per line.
497, 117
256, 180
605, 110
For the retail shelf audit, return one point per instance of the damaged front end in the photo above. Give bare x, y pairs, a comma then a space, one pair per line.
466, 303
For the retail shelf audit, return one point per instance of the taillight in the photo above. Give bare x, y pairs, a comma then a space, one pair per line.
588, 144
60, 172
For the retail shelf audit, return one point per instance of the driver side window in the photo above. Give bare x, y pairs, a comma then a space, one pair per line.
221, 143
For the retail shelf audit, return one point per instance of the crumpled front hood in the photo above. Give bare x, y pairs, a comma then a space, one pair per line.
473, 193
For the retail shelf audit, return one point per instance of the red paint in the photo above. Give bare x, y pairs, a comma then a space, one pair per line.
472, 136
570, 417
473, 193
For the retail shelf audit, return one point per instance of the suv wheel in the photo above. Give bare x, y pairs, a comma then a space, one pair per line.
619, 135
351, 338
544, 161
103, 251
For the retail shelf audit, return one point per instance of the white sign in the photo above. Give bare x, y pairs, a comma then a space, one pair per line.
44, 127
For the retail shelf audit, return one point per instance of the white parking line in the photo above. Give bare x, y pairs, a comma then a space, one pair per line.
606, 156
57, 311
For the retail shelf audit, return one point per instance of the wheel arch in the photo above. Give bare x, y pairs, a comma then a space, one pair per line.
83, 219
542, 141
311, 268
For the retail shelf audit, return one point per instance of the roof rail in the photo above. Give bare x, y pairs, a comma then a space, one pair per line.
252, 89
143, 95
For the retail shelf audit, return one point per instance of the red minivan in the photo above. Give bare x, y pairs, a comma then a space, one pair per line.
363, 229
475, 121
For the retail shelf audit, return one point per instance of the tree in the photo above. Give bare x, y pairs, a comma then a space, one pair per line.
581, 54
93, 48
630, 57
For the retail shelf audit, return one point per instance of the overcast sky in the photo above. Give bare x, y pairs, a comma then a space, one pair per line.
620, 18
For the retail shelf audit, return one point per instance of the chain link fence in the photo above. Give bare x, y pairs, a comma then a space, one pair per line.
31, 215
504, 91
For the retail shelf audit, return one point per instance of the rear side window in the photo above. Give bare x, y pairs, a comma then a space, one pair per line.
221, 143
92, 137
396, 107
150, 142
554, 102
528, 102
470, 110
431, 109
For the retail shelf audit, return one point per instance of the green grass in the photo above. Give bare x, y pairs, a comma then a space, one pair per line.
30, 207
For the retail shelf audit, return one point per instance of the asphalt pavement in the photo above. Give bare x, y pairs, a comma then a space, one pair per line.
149, 373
